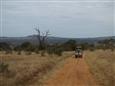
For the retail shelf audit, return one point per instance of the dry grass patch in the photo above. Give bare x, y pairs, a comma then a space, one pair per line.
24, 69
102, 65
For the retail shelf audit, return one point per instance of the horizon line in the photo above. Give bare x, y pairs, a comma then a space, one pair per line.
56, 36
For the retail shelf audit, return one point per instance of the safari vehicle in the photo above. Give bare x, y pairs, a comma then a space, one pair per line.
78, 52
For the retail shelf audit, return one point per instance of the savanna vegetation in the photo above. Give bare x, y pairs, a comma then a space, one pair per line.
23, 69
20, 65
102, 66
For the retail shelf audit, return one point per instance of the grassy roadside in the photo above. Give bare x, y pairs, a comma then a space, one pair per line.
26, 69
58, 65
102, 66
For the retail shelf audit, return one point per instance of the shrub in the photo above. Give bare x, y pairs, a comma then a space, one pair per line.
55, 50
8, 52
58, 51
26, 46
28, 52
5, 46
50, 51
3, 67
36, 51
92, 49
69, 45
43, 53
19, 52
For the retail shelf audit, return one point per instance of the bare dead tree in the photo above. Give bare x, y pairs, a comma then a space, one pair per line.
42, 38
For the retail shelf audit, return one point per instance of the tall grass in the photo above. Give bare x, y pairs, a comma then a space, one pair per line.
102, 65
24, 69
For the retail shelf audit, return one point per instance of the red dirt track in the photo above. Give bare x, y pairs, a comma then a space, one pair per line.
75, 72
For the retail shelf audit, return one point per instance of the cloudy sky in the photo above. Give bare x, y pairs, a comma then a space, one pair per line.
64, 18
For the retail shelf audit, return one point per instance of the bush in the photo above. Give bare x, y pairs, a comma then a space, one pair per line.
50, 51
36, 51
69, 45
5, 46
19, 52
92, 49
28, 53
58, 51
43, 53
26, 46
3, 67
55, 50
112, 49
8, 52
107, 44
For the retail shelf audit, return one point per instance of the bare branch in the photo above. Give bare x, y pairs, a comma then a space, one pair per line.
38, 35
38, 31
42, 38
45, 36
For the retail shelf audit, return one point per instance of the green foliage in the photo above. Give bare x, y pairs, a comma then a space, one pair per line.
5, 46
3, 67
106, 44
58, 51
70, 45
50, 50
43, 53
26, 46
36, 51
19, 52
55, 50
8, 52
85, 46
0, 49
28, 52
17, 48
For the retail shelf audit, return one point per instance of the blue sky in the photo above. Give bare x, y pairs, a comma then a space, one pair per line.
75, 18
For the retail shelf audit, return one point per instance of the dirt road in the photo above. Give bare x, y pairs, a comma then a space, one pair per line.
75, 72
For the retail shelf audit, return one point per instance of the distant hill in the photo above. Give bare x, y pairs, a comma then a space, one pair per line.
51, 40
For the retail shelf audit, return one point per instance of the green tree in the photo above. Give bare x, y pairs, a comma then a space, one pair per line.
70, 45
